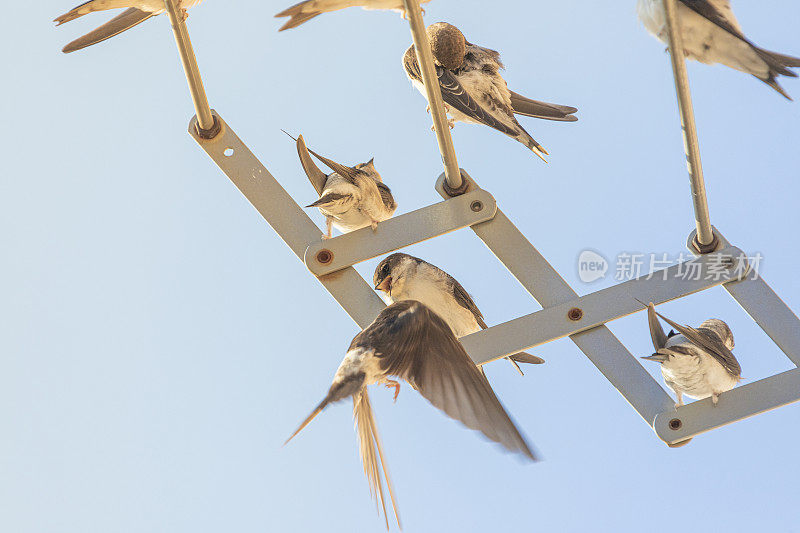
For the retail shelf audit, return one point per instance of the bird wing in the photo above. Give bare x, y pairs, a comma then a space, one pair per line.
454, 94
465, 300
315, 175
535, 108
125, 21
414, 343
369, 446
708, 341
305, 11
656, 331
709, 11
331, 199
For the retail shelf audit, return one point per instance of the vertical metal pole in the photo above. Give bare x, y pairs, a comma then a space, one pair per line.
205, 120
705, 234
427, 66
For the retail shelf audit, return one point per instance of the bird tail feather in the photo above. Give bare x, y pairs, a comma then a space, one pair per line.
123, 22
317, 410
297, 15
369, 445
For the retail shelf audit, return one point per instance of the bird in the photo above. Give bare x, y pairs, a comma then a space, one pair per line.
409, 341
473, 89
695, 362
138, 11
305, 11
712, 34
404, 277
350, 198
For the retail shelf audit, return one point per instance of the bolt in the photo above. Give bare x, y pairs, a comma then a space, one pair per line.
324, 257
477, 206
575, 314
675, 424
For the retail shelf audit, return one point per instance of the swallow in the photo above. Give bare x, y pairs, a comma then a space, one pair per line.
409, 341
404, 277
138, 12
350, 198
305, 11
695, 362
473, 89
712, 34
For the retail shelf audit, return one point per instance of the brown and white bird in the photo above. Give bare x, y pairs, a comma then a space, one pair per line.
410, 342
473, 89
711, 34
404, 277
351, 198
695, 362
304, 11
138, 12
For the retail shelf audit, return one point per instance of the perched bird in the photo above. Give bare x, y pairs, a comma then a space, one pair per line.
404, 277
138, 12
695, 362
351, 198
309, 9
411, 342
473, 89
711, 34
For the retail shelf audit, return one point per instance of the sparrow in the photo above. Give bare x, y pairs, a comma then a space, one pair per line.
711, 34
404, 277
138, 12
409, 341
350, 198
695, 362
473, 89
304, 11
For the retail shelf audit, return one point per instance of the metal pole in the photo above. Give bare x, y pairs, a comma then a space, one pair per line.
705, 234
205, 119
440, 124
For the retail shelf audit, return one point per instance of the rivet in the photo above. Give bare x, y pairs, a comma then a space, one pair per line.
675, 424
324, 257
575, 314
477, 206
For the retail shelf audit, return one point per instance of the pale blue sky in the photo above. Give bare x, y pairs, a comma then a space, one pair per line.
158, 341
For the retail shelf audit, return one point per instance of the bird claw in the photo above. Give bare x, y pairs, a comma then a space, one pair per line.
391, 384
185, 15
374, 226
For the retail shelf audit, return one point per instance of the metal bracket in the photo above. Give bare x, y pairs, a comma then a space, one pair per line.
330, 255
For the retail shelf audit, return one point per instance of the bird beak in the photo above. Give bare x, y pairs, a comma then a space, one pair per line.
384, 285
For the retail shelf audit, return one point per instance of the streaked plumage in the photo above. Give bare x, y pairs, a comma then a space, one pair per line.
409, 341
304, 11
695, 362
473, 89
138, 12
351, 198
404, 277
711, 34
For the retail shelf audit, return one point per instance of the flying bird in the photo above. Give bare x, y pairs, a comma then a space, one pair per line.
473, 89
411, 342
695, 362
138, 12
350, 198
404, 277
711, 34
304, 11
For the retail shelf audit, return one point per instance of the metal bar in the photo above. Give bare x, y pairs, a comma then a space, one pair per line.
770, 312
278, 208
199, 98
604, 306
544, 283
440, 124
330, 255
674, 426
705, 235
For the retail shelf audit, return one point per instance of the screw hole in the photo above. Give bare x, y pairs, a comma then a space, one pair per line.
228, 152
675, 424
575, 314
477, 206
